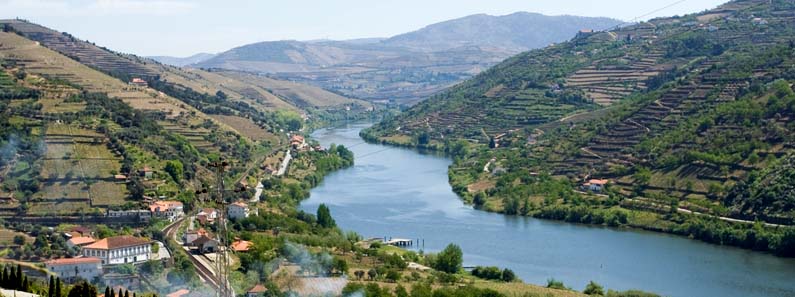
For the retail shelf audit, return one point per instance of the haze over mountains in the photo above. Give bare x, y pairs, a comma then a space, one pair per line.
182, 61
407, 67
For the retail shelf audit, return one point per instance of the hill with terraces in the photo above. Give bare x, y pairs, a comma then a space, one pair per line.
679, 116
83, 128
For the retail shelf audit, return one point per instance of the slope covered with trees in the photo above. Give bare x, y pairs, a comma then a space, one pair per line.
687, 120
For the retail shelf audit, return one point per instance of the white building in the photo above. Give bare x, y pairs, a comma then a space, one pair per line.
142, 214
237, 210
72, 269
207, 215
119, 250
170, 210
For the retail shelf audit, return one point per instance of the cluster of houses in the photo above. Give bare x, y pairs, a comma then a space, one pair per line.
164, 209
202, 241
98, 256
298, 143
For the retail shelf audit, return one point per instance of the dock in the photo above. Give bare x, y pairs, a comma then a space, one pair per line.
400, 242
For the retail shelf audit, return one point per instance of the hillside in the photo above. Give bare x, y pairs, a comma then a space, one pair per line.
408, 67
182, 61
78, 131
685, 118
518, 32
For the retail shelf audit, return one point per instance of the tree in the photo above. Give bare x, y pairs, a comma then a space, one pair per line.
175, 169
58, 284
51, 287
450, 259
324, 218
340, 265
372, 274
107, 291
83, 289
508, 275
359, 274
19, 239
594, 289
400, 291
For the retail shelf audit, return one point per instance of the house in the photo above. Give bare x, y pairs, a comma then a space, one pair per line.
205, 244
146, 172
595, 185
759, 21
120, 178
237, 210
119, 250
138, 82
73, 269
207, 216
192, 235
79, 241
297, 141
241, 246
257, 291
168, 209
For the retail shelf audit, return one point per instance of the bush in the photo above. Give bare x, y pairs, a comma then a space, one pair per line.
594, 289
555, 284
450, 259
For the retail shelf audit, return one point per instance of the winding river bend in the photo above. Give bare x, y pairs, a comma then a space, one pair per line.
397, 192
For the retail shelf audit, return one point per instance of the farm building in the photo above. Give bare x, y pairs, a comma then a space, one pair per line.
73, 269
119, 250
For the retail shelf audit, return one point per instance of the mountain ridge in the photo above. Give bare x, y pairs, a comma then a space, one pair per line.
397, 68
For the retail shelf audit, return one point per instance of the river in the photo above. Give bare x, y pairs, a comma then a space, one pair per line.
396, 192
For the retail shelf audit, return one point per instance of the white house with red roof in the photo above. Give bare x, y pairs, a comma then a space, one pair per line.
120, 250
595, 185
238, 210
73, 269
170, 210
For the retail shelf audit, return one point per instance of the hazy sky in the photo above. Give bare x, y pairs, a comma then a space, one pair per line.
181, 27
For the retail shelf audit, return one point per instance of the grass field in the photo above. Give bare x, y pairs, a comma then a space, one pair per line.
63, 190
247, 128
7, 237
108, 193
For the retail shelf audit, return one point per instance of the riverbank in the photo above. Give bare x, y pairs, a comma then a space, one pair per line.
405, 193
614, 210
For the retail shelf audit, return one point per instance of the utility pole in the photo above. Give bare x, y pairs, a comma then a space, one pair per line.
221, 259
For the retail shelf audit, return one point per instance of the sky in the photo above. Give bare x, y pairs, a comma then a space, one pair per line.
182, 27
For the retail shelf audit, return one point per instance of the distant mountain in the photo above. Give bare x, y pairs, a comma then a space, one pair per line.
518, 31
179, 62
407, 67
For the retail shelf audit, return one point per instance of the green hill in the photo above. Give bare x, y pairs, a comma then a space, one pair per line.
76, 131
680, 115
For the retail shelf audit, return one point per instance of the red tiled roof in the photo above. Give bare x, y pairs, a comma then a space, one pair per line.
241, 245
73, 261
164, 205
240, 204
600, 182
117, 242
81, 240
259, 288
178, 293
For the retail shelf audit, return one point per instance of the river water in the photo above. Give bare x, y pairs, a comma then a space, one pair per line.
401, 193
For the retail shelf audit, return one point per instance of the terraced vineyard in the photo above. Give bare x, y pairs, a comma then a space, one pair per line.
678, 115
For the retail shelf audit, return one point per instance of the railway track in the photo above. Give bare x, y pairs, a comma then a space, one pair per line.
205, 273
